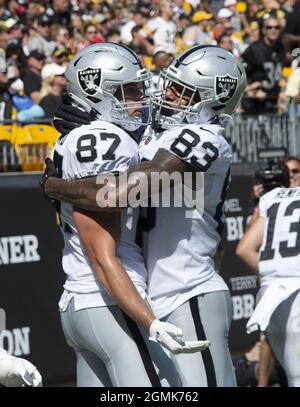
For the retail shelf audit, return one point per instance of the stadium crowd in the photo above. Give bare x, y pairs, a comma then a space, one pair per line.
41, 37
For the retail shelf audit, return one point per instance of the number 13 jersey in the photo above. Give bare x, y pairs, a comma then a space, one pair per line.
280, 252
181, 242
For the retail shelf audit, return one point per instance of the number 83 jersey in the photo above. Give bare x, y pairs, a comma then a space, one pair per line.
87, 151
280, 251
181, 241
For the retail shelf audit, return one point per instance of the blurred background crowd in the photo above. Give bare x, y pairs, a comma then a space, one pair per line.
40, 37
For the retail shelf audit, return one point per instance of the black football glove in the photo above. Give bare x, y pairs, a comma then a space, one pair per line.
50, 171
68, 117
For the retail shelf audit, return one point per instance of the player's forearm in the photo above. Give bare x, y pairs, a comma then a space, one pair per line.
93, 194
121, 288
81, 193
249, 256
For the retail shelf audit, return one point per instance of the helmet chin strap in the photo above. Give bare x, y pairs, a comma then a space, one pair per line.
121, 116
95, 114
80, 103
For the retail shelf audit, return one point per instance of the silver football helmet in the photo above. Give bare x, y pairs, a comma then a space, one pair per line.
96, 78
208, 80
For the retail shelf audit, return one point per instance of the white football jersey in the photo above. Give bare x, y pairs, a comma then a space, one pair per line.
99, 147
182, 242
279, 255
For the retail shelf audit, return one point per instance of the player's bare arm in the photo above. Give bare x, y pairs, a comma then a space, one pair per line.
83, 192
98, 227
249, 245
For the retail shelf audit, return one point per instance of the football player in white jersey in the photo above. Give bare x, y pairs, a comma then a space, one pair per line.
271, 248
109, 79
201, 84
18, 372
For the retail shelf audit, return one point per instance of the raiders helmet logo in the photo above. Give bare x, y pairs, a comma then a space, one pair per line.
89, 80
225, 86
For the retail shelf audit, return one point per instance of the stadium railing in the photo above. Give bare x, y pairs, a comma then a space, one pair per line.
248, 135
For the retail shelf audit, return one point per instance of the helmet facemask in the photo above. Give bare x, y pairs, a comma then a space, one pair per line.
131, 108
193, 104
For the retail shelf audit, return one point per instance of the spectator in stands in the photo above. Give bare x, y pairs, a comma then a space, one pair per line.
293, 165
292, 28
4, 37
126, 30
5, 98
90, 36
254, 33
264, 61
238, 46
199, 32
4, 12
235, 19
61, 13
60, 56
41, 39
225, 41
139, 44
249, 15
32, 75
76, 26
26, 109
292, 92
16, 31
15, 55
113, 35
96, 11
160, 61
162, 29
61, 36
54, 84
223, 16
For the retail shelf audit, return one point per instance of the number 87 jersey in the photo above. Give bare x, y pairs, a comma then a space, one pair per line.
87, 151
280, 251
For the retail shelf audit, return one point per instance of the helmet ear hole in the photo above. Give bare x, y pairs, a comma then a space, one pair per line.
217, 108
93, 99
118, 93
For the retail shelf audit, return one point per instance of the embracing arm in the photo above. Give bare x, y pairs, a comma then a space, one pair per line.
83, 192
99, 234
250, 244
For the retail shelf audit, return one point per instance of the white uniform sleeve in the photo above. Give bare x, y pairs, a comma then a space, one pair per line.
197, 146
266, 201
90, 152
263, 206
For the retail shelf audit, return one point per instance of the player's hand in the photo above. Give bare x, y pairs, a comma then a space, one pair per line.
50, 171
18, 372
171, 337
68, 117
